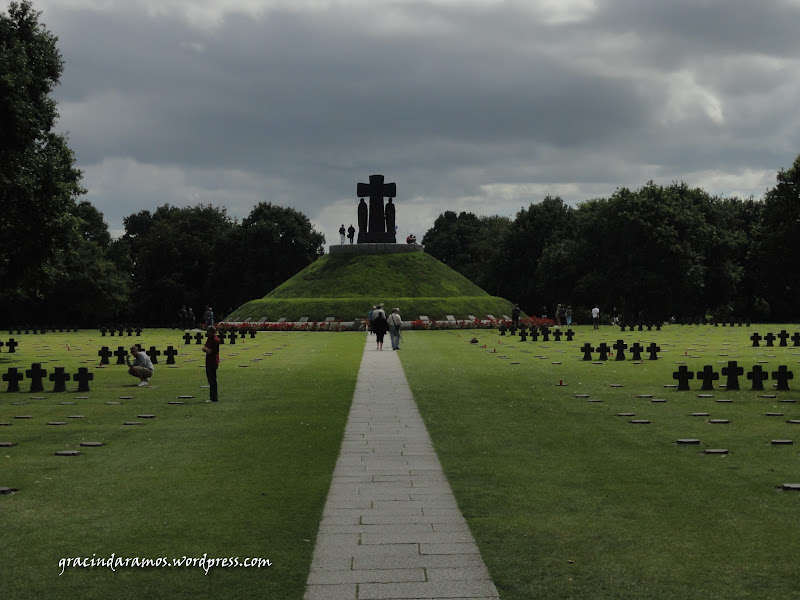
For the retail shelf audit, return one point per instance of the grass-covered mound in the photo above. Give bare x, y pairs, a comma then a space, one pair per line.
345, 286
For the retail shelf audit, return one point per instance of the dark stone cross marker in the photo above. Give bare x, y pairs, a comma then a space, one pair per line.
637, 350
221, 336
12, 346
534, 334
587, 350
83, 377
103, 332
769, 338
153, 353
796, 338
60, 378
682, 376
104, 353
170, 353
252, 333
232, 337
732, 372
187, 338
372, 226
620, 346
557, 335
36, 373
120, 353
523, 334
653, 349
782, 376
708, 376
603, 349
569, 333
783, 336
756, 339
758, 377
198, 339
13, 378
502, 329
545, 334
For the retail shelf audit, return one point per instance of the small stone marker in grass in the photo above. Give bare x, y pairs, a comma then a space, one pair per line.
67, 453
781, 442
640, 421
700, 414
719, 421
56, 422
132, 423
626, 414
715, 451
145, 416
92, 444
684, 441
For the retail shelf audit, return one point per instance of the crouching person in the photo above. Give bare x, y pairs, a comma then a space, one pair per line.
142, 367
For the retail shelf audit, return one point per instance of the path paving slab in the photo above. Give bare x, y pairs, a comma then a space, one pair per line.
391, 528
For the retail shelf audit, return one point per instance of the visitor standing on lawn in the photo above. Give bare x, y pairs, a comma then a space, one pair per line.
211, 349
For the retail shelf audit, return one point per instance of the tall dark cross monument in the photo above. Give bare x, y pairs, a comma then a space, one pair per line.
376, 223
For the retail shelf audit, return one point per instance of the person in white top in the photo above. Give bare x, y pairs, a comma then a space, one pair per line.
596, 317
395, 324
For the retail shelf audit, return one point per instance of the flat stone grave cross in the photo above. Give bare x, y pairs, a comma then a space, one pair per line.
170, 353
129, 330
104, 353
545, 334
232, 337
603, 349
620, 346
682, 376
502, 329
769, 338
198, 338
637, 350
221, 336
570, 334
732, 372
653, 349
120, 353
523, 334
758, 377
708, 376
534, 334
60, 379
187, 338
83, 377
103, 331
557, 335
587, 350
13, 378
796, 338
782, 376
153, 353
12, 346
36, 373
783, 336
756, 339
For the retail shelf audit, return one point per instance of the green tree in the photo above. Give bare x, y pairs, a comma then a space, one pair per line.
468, 244
38, 180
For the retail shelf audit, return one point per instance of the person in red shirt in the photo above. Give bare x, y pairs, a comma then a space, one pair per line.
211, 349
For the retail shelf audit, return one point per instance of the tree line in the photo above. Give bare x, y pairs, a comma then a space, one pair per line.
650, 254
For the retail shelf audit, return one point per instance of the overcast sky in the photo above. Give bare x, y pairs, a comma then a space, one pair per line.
477, 105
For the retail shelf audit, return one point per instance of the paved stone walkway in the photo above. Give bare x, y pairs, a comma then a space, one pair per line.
391, 528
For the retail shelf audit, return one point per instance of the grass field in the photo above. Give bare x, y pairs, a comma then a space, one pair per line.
565, 498
568, 500
247, 477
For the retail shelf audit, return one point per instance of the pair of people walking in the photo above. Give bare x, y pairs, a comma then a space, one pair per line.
381, 324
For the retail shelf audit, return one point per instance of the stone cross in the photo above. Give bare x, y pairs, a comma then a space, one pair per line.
682, 376
557, 335
36, 373
103, 331
60, 378
523, 334
758, 376
732, 372
534, 334
782, 376
769, 338
620, 347
587, 350
13, 378
376, 190
708, 376
545, 334
187, 338
653, 349
603, 349
756, 339
170, 353
83, 377
569, 333
783, 336
232, 336
637, 350
12, 346
104, 353
120, 353
796, 338
153, 353
198, 338
503, 329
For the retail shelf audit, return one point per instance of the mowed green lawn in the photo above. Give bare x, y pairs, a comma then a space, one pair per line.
568, 500
246, 478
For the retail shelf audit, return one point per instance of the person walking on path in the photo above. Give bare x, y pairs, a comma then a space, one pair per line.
379, 326
395, 324
341, 234
515, 312
351, 233
596, 317
142, 366
211, 349
568, 314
